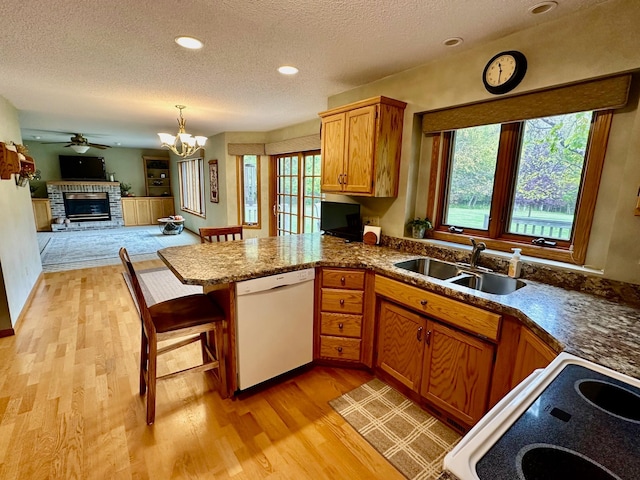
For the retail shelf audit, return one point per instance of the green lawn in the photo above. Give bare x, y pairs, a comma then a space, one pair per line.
476, 218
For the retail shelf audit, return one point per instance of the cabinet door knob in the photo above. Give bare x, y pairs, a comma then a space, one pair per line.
342, 301
419, 334
423, 302
342, 280
340, 326
340, 179
428, 337
339, 349
344, 178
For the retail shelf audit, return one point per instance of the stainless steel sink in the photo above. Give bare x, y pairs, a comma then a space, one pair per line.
430, 267
489, 283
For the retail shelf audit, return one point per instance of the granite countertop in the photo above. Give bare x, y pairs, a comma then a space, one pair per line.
591, 327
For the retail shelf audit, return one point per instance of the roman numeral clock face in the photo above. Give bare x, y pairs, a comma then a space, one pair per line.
504, 72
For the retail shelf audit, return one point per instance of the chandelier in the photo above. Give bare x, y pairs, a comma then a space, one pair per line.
188, 144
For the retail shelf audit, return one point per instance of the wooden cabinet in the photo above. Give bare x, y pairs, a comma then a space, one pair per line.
157, 174
457, 372
145, 210
400, 344
42, 214
361, 146
423, 343
342, 330
532, 353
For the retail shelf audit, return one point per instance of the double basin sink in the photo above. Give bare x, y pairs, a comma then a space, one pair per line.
463, 275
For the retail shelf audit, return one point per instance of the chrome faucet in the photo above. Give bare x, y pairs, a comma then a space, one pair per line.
475, 252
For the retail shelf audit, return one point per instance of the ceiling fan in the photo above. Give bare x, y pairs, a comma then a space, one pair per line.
80, 144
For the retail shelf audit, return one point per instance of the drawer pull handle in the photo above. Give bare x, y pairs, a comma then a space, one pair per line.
342, 280
342, 301
339, 349
341, 326
428, 337
419, 334
423, 302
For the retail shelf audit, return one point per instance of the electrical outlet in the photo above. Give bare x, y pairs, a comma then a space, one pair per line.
371, 220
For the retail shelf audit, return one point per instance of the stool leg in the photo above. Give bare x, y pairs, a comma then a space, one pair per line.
144, 356
151, 381
222, 366
203, 345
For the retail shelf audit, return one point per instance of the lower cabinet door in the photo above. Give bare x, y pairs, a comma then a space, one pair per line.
457, 372
400, 344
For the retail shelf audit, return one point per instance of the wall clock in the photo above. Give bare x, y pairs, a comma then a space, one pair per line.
504, 72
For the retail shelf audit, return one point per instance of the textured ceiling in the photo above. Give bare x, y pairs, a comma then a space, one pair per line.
111, 70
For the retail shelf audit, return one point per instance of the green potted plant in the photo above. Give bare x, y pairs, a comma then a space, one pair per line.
124, 189
419, 226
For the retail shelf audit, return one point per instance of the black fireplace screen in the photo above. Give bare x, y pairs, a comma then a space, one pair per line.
83, 207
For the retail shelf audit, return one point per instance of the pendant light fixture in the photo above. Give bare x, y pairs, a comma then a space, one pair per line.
182, 144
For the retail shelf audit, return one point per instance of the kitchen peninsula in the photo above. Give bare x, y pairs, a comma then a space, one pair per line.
591, 327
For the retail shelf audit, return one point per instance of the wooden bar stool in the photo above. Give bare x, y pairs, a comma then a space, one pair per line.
197, 317
207, 234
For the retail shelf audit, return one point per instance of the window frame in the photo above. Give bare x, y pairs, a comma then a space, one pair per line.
240, 178
497, 237
273, 227
192, 167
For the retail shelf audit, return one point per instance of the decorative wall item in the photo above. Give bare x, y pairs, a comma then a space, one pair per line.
213, 180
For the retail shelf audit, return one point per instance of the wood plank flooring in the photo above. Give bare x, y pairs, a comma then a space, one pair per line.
70, 408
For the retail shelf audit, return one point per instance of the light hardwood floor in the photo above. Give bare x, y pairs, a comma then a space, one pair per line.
70, 408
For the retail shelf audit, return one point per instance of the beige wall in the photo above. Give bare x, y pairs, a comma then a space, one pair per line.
125, 162
20, 263
600, 41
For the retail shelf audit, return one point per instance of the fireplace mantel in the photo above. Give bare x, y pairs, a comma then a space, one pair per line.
82, 182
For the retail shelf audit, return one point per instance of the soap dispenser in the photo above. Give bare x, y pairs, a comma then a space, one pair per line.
515, 264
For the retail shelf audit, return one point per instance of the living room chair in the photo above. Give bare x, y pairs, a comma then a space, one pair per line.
197, 317
207, 234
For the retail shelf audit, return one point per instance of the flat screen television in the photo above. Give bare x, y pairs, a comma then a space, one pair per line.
341, 220
82, 168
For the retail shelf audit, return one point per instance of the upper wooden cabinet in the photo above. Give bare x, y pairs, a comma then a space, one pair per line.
157, 174
361, 146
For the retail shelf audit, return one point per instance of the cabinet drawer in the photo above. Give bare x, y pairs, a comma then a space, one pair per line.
466, 317
340, 348
341, 301
340, 278
340, 324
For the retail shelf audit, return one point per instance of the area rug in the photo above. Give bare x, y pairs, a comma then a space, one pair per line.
408, 437
73, 248
159, 284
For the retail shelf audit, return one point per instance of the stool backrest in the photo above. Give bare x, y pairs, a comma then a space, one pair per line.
208, 234
137, 289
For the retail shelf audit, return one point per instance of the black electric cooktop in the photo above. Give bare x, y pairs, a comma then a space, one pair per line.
585, 425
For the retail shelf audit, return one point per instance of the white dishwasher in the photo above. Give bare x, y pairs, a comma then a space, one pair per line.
274, 325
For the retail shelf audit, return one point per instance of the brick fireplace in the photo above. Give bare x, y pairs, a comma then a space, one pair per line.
81, 210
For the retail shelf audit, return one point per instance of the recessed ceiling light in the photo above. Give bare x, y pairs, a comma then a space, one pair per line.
37, 137
189, 42
118, 144
453, 41
542, 7
288, 70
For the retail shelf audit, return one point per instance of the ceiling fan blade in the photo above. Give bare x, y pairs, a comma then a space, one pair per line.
53, 143
97, 145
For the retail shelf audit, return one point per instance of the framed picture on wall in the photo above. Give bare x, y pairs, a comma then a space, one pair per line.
213, 180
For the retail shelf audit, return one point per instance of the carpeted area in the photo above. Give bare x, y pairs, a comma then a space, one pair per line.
68, 247
94, 248
412, 440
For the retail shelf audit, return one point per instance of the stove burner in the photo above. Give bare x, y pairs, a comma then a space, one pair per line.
610, 398
542, 461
